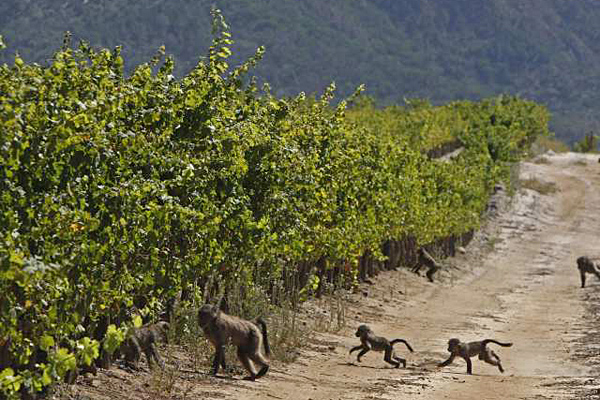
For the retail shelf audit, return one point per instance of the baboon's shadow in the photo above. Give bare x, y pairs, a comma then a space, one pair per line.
465, 374
351, 364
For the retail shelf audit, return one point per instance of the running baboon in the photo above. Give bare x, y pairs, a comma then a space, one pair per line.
144, 339
425, 259
472, 349
586, 265
219, 328
368, 341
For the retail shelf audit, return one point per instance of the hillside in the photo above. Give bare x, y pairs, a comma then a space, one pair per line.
440, 50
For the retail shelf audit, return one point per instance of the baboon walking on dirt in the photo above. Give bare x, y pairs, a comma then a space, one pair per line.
586, 265
425, 259
368, 341
144, 339
472, 349
220, 328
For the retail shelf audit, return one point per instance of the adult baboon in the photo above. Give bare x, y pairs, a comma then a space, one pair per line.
472, 349
425, 259
586, 265
369, 341
219, 328
144, 339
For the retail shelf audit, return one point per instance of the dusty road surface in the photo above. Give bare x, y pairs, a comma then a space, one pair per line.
517, 282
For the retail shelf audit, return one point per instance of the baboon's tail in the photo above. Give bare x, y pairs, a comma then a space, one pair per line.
263, 328
486, 341
402, 341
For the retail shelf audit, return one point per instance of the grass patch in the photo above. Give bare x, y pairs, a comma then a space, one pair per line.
333, 303
546, 143
539, 186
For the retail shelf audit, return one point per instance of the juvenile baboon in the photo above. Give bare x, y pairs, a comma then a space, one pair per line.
144, 339
472, 349
368, 341
219, 328
425, 259
586, 265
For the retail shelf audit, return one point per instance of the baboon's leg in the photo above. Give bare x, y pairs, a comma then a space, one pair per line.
401, 360
416, 268
469, 365
356, 348
245, 360
260, 360
262, 371
362, 353
492, 358
582, 273
432, 270
448, 361
134, 353
388, 358
597, 273
149, 355
219, 359
152, 354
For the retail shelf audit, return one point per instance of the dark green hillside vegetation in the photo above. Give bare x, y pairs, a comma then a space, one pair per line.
544, 50
119, 191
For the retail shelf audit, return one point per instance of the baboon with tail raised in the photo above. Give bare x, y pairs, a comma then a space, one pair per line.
369, 341
472, 349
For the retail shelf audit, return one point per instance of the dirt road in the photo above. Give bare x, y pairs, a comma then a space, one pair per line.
525, 290
517, 282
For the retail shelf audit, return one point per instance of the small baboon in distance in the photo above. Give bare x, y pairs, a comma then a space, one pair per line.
144, 339
586, 265
425, 259
472, 349
368, 341
219, 328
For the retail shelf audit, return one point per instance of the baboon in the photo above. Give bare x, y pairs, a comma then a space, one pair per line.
472, 349
368, 341
425, 259
144, 339
219, 328
586, 265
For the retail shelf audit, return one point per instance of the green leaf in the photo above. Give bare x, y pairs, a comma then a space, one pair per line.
88, 350
46, 342
9, 381
113, 338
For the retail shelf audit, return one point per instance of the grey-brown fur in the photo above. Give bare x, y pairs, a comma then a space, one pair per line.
144, 339
369, 341
472, 349
425, 259
586, 266
220, 328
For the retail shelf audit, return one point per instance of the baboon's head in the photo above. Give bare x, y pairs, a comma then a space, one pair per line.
363, 330
207, 314
453, 344
582, 261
